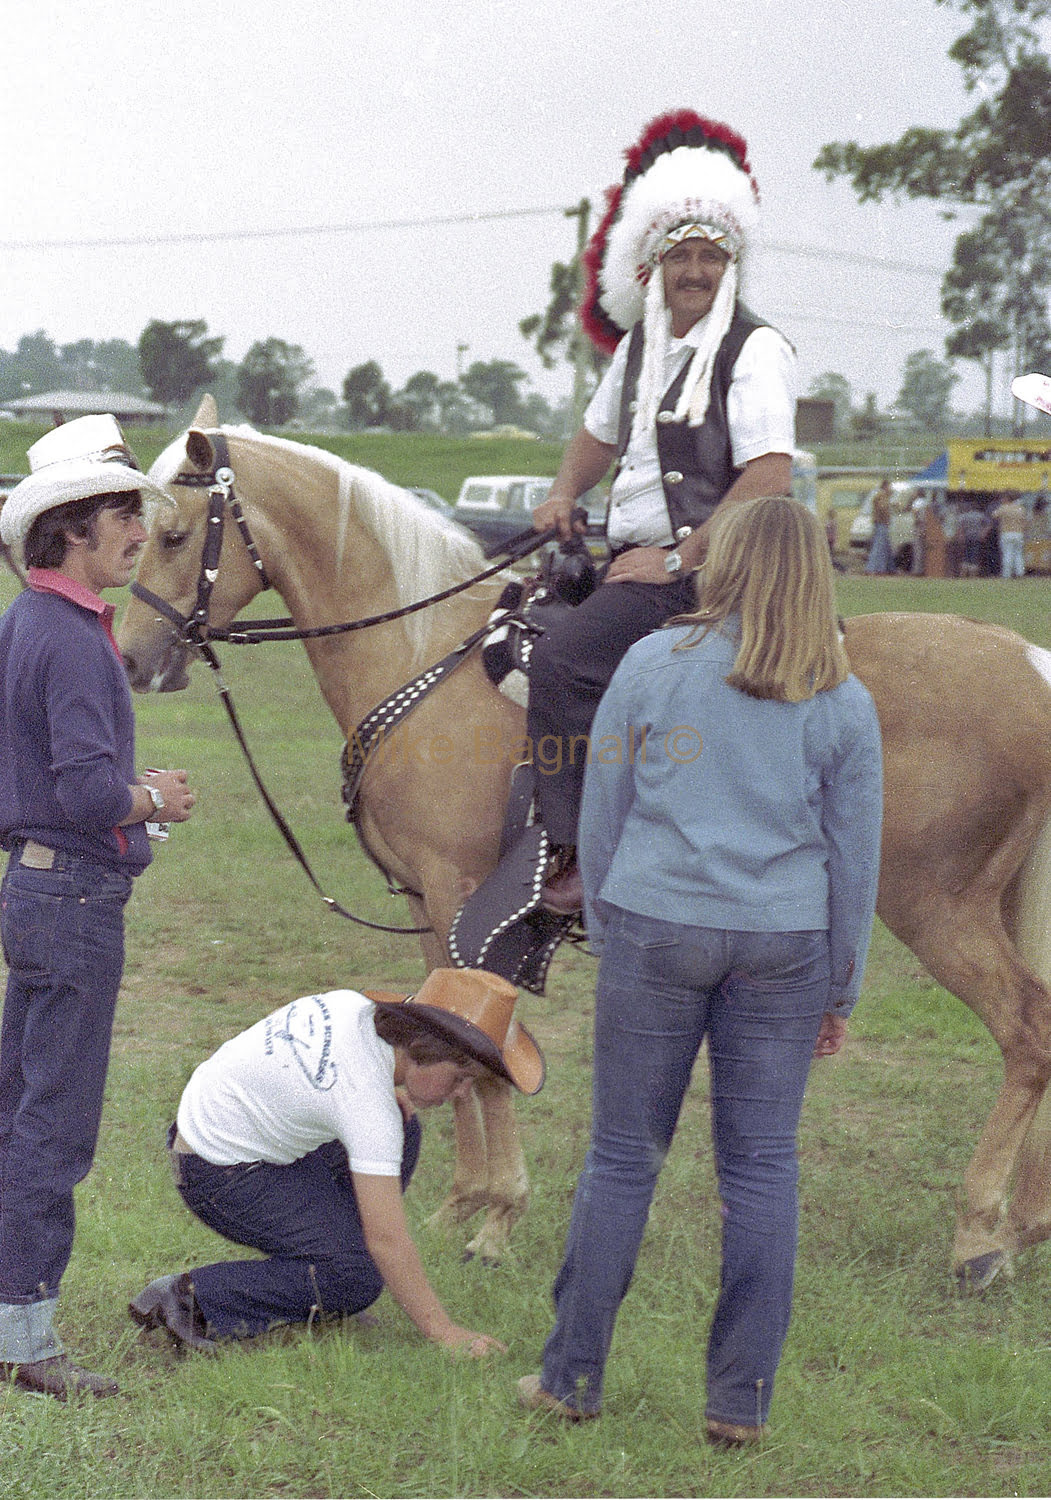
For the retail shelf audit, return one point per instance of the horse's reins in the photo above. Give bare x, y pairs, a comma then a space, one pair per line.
194, 632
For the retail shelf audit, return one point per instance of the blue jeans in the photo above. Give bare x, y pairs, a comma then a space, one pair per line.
305, 1218
63, 940
758, 998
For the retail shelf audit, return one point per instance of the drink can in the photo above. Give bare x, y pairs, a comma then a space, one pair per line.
154, 830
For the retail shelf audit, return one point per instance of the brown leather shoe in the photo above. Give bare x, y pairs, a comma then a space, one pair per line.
533, 1397
169, 1303
57, 1376
732, 1434
564, 892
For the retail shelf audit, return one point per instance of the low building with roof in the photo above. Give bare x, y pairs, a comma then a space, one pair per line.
63, 406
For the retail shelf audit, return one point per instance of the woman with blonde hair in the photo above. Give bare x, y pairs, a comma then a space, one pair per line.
729, 846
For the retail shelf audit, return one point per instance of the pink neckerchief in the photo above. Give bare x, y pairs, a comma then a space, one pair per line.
54, 581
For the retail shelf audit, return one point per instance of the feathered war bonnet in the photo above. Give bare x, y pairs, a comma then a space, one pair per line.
685, 176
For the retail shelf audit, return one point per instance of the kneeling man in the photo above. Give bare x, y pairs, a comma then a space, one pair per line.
298, 1138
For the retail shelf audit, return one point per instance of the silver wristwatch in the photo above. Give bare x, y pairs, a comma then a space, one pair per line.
673, 562
155, 797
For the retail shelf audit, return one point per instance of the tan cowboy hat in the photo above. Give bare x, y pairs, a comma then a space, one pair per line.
474, 1010
73, 462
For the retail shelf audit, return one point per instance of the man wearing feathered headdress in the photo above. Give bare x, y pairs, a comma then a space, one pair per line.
697, 409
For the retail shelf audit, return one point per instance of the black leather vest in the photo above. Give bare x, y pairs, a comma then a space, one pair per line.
696, 463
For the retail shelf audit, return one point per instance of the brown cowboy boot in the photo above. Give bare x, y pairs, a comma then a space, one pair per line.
56, 1376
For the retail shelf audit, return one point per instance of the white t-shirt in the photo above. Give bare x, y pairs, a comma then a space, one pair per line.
760, 412
312, 1072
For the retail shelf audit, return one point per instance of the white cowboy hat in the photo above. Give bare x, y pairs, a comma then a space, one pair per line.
73, 462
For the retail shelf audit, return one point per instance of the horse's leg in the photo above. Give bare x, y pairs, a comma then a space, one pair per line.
964, 945
507, 1187
469, 1190
1030, 1211
490, 1171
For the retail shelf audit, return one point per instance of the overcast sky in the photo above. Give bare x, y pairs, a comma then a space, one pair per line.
145, 121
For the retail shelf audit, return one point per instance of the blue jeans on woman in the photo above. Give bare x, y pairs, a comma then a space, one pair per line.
758, 998
304, 1217
63, 940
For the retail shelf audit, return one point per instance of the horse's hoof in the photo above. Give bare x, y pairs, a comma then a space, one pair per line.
976, 1275
488, 1245
455, 1211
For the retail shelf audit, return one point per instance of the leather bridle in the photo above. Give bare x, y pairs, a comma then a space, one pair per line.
193, 630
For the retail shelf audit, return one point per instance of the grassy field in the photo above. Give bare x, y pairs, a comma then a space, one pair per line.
439, 463
890, 1383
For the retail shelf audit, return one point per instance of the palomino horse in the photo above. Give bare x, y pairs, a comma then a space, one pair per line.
966, 716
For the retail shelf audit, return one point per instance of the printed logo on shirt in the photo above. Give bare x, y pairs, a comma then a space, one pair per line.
304, 1031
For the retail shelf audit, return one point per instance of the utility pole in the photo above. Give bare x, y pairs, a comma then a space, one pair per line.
578, 340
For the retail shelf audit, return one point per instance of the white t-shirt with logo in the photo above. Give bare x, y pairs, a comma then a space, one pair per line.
313, 1071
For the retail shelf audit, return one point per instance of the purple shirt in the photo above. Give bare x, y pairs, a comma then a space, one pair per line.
67, 729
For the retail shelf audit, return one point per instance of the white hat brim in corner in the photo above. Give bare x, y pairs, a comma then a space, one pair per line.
69, 479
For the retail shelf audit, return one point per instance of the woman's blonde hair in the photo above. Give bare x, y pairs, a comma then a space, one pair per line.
768, 562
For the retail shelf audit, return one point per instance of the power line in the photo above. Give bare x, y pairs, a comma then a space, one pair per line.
370, 226
219, 236
887, 325
874, 261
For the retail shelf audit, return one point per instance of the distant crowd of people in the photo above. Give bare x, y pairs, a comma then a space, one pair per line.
973, 538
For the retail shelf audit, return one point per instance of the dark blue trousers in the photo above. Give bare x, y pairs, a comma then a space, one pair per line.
305, 1219
569, 670
63, 940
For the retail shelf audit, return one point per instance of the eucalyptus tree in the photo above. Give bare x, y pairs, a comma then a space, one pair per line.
996, 160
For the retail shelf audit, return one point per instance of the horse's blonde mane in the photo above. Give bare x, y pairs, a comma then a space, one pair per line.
427, 553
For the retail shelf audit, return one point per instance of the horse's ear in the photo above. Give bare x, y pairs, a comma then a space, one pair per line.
199, 449
207, 413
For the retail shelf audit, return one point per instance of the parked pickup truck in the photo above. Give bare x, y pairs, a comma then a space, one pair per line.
499, 507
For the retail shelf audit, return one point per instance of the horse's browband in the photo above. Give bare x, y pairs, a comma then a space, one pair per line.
193, 481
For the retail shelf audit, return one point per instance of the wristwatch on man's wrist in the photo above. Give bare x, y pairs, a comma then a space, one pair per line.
673, 562
155, 797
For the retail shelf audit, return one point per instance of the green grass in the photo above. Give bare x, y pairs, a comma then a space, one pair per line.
439, 463
443, 463
890, 1384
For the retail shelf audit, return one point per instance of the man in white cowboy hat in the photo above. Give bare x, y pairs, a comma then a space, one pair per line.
72, 818
298, 1138
697, 408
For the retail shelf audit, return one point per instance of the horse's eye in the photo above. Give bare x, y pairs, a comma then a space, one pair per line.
172, 539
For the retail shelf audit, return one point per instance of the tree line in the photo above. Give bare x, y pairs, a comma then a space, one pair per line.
922, 403
274, 384
997, 160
